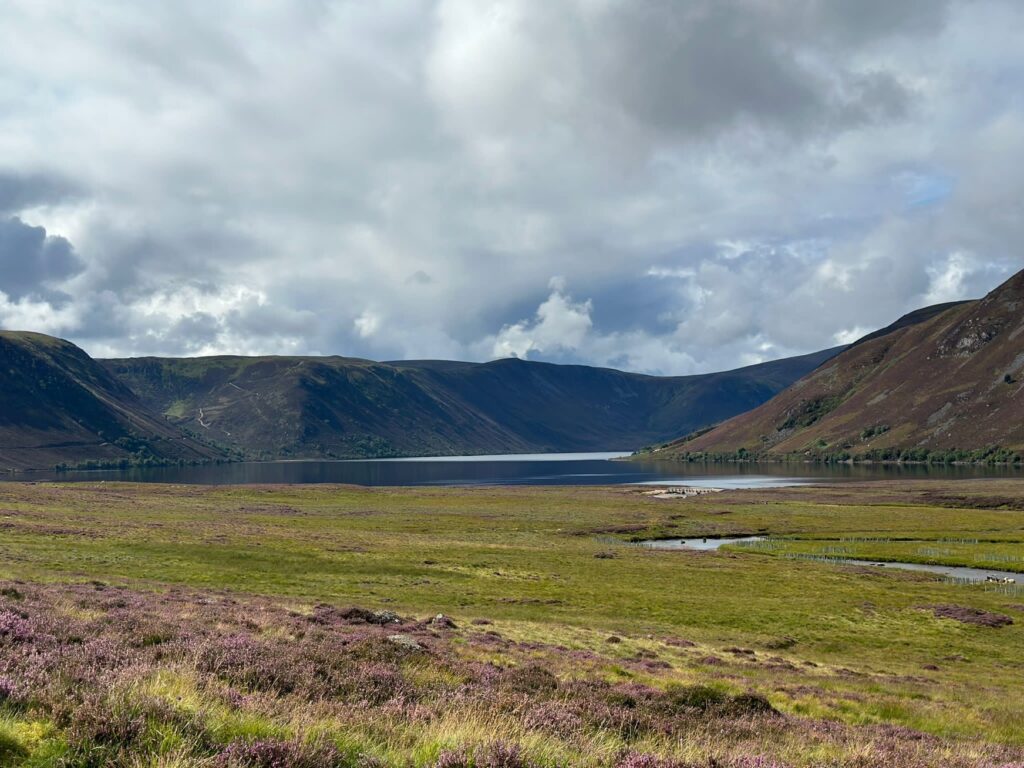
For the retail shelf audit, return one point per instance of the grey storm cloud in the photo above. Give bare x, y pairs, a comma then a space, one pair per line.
31, 262
18, 192
669, 186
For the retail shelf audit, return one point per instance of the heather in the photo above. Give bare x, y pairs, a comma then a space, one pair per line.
95, 675
161, 626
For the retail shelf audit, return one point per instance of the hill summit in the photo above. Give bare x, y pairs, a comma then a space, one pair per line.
943, 383
59, 406
338, 407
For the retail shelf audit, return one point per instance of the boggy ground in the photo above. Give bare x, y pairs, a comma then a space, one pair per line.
173, 626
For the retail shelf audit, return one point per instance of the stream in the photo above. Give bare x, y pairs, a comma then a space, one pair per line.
952, 572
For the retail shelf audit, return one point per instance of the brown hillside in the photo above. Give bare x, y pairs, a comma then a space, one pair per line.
940, 380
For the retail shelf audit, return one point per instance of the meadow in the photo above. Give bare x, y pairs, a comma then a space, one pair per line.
149, 625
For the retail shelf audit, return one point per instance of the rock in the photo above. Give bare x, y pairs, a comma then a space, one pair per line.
442, 621
404, 641
325, 614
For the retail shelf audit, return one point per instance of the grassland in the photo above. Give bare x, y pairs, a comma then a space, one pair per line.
159, 625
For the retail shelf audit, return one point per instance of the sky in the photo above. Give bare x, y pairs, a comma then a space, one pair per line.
663, 186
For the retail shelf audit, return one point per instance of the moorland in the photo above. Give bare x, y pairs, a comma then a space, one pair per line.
342, 626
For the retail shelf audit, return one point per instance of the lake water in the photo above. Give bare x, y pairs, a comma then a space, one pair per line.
516, 469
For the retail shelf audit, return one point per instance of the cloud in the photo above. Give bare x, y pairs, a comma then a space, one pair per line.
718, 181
33, 263
20, 191
560, 324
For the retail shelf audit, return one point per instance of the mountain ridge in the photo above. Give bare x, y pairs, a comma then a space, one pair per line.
942, 383
339, 407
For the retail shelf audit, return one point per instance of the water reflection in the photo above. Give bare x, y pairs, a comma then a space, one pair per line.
518, 469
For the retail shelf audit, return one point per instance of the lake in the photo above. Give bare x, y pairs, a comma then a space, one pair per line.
516, 469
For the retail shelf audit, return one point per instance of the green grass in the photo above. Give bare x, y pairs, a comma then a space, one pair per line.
525, 558
177, 410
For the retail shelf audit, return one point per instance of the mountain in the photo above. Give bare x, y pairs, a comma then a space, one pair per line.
943, 383
274, 407
59, 405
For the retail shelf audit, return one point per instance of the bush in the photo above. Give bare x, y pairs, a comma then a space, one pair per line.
532, 678
641, 760
749, 704
702, 697
496, 755
272, 753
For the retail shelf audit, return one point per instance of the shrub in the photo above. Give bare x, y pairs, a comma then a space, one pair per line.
272, 753
107, 723
496, 755
749, 704
531, 678
15, 627
702, 697
642, 760
8, 691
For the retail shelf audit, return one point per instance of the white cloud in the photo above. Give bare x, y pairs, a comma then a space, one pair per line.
559, 325
367, 324
947, 280
850, 335
721, 181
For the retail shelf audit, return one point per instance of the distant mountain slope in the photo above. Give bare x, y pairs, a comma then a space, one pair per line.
273, 407
943, 382
59, 405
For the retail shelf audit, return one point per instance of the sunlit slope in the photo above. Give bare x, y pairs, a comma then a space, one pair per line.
945, 382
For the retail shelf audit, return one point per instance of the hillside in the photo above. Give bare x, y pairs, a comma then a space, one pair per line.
272, 407
943, 383
58, 405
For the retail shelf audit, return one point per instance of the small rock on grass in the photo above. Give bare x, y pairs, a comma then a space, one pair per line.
404, 641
